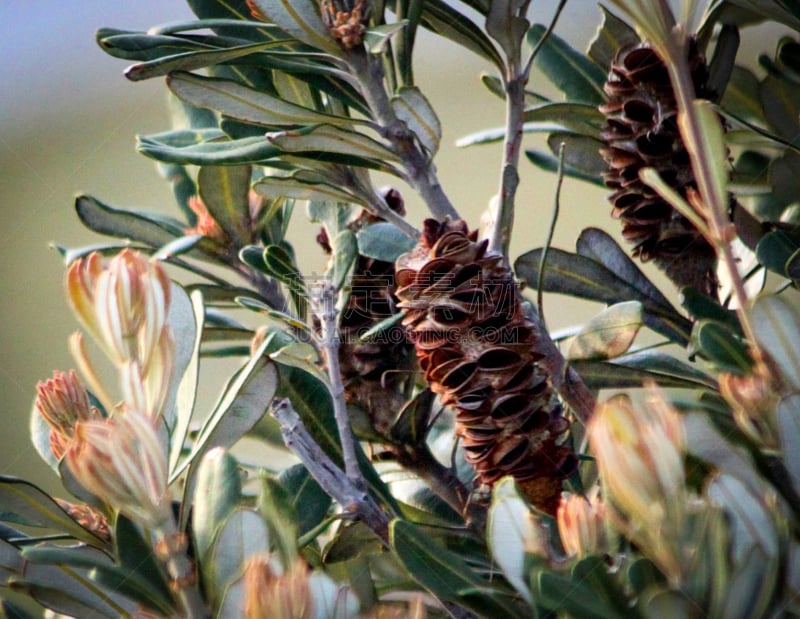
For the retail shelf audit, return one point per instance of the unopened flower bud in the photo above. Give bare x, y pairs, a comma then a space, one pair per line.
280, 596
581, 525
63, 401
122, 461
640, 459
123, 303
753, 398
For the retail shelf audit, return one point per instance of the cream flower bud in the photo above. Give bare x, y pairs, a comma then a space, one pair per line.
63, 401
148, 391
639, 455
123, 303
122, 461
267, 594
581, 525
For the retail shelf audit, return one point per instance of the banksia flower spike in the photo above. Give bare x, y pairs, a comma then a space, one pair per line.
63, 401
642, 131
478, 351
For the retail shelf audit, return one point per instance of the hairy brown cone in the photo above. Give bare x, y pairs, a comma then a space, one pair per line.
478, 352
642, 131
374, 371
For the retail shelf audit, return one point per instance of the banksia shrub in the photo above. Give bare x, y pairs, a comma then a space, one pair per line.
642, 131
478, 352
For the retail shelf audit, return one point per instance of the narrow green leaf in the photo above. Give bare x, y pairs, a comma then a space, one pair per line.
571, 117
225, 191
725, 350
281, 265
776, 322
309, 500
217, 493
345, 252
378, 38
22, 502
741, 96
580, 79
788, 417
246, 104
411, 425
452, 24
411, 106
104, 219
601, 247
186, 394
701, 307
776, 248
192, 60
331, 139
243, 535
135, 557
582, 277
276, 506
548, 163
300, 19
581, 152
297, 189
505, 25
613, 35
384, 241
780, 100
444, 573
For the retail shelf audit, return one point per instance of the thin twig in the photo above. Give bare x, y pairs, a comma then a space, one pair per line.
369, 74
330, 477
550, 232
329, 318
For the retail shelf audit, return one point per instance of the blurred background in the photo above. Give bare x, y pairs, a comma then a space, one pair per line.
68, 119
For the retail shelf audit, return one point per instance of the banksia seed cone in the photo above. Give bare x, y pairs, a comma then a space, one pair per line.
642, 131
374, 371
478, 352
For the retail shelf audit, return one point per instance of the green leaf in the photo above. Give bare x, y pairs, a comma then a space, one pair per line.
600, 246
780, 100
300, 19
776, 322
351, 541
276, 506
585, 278
217, 493
378, 38
186, 394
246, 104
580, 79
548, 163
298, 189
452, 24
776, 249
225, 191
621, 375
243, 403
580, 152
104, 219
723, 349
613, 35
24, 503
701, 307
788, 417
444, 573
741, 96
281, 265
384, 241
192, 60
309, 500
609, 334
243, 535
136, 558
505, 25
410, 427
411, 106
508, 530
331, 139
9, 610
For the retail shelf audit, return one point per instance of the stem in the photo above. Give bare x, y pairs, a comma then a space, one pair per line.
329, 318
716, 203
170, 547
442, 480
368, 71
331, 478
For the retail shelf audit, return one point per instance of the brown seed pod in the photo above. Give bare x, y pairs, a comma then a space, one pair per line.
374, 371
642, 131
478, 352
